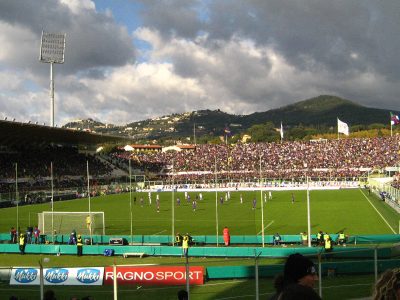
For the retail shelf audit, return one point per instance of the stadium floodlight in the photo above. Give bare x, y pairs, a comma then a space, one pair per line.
52, 50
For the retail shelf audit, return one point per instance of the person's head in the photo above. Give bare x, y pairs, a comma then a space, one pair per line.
79, 235
182, 295
49, 295
300, 269
388, 285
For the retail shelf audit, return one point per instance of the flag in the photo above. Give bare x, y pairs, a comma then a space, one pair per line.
281, 131
342, 127
394, 119
227, 131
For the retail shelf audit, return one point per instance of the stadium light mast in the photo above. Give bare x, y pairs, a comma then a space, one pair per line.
90, 212
308, 214
52, 202
194, 132
262, 208
130, 198
216, 200
173, 206
52, 49
17, 196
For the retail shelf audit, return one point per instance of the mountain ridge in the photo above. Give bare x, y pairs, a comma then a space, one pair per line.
319, 111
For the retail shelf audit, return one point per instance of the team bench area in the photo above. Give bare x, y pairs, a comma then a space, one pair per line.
134, 254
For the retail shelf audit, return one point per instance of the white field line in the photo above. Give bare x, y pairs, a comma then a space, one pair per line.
378, 212
345, 285
197, 286
159, 232
269, 224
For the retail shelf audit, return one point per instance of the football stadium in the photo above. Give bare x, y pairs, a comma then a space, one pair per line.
216, 221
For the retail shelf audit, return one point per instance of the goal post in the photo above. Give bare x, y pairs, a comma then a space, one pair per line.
87, 223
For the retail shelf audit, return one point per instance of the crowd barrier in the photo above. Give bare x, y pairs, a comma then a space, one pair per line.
340, 268
195, 251
212, 239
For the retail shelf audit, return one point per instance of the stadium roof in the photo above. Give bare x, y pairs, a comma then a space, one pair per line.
15, 133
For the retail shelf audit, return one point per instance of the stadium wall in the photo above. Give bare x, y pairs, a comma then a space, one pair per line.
143, 240
338, 268
338, 252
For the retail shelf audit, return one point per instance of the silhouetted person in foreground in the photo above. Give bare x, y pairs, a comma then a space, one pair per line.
297, 281
182, 295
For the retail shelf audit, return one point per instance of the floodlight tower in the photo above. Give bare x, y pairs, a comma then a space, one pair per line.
52, 48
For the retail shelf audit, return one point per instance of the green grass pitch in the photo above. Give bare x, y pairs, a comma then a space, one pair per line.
352, 210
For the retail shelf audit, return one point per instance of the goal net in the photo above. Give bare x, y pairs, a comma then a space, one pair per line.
65, 222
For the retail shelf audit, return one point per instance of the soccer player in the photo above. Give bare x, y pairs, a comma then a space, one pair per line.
292, 198
241, 198
254, 202
221, 200
269, 195
88, 222
178, 201
149, 194
201, 196
194, 205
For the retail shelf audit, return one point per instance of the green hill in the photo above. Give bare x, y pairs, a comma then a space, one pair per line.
319, 112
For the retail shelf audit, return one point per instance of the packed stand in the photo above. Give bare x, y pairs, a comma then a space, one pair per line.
32, 168
288, 160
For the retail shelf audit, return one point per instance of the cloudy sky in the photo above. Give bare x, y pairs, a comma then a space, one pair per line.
129, 60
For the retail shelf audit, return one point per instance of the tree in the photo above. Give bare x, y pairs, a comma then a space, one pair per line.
263, 133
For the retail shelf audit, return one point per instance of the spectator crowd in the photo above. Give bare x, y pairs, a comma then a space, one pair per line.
288, 160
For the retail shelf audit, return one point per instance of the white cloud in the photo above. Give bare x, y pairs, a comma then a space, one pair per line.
19, 47
237, 56
76, 6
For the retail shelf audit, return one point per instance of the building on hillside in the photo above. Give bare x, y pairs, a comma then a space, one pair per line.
143, 148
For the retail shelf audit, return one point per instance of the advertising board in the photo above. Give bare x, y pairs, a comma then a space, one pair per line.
57, 276
155, 275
